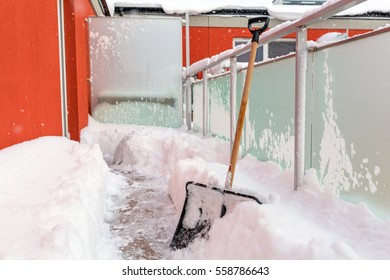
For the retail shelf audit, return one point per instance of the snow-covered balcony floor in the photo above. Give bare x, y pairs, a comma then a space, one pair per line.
60, 200
144, 217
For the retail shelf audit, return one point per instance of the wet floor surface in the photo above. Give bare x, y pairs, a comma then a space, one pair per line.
145, 219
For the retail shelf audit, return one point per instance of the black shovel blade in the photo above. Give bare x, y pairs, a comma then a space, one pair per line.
202, 205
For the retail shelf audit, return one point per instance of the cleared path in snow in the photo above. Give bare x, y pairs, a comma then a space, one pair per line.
145, 218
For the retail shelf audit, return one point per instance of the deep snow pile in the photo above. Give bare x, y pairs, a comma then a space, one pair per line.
53, 193
311, 223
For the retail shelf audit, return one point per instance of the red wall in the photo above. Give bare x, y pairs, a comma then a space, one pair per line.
30, 97
77, 64
30, 101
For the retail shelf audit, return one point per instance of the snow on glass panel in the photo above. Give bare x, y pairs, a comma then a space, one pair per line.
136, 70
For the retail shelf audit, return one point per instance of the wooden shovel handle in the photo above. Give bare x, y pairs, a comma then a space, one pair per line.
241, 116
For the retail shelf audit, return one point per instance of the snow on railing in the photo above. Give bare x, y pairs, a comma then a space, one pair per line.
330, 8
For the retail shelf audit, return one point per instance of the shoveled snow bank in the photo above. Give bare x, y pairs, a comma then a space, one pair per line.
53, 193
311, 223
180, 155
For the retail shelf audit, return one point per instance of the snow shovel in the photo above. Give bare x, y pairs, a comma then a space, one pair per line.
203, 204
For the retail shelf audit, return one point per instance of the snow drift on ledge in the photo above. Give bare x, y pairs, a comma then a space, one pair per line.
54, 196
282, 12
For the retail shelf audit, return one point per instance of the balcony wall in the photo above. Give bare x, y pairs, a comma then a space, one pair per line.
30, 87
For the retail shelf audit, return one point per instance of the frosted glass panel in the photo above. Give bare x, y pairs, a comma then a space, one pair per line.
136, 70
197, 105
218, 104
269, 127
351, 120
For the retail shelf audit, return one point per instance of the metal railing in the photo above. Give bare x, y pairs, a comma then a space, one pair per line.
299, 26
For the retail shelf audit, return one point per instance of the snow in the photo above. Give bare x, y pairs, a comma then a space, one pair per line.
288, 12
197, 67
331, 37
58, 197
52, 200
216, 69
61, 199
192, 7
282, 12
368, 6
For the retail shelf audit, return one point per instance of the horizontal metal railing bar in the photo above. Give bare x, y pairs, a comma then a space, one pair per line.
310, 49
257, 64
351, 39
327, 10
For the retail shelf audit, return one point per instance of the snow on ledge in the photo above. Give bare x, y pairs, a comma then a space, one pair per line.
282, 12
192, 7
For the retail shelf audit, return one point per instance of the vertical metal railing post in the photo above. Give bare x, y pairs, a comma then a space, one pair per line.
187, 29
205, 103
188, 103
188, 79
300, 106
62, 58
233, 94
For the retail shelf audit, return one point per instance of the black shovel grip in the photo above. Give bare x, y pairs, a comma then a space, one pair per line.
257, 26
